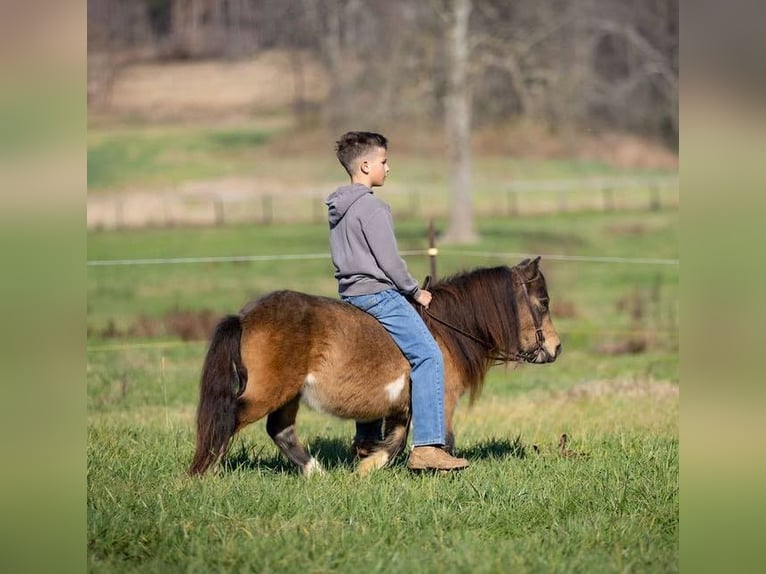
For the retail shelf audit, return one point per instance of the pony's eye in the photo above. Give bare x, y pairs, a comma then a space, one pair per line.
544, 304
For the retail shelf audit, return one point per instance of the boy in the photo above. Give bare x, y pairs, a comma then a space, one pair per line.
373, 277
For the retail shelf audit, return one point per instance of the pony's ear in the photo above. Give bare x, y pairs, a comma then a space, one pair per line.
534, 267
531, 267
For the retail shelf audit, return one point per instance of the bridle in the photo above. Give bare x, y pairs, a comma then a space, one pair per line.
501, 357
539, 337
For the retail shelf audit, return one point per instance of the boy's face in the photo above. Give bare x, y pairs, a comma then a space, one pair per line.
375, 166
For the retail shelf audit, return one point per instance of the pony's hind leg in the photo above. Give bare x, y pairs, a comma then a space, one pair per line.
280, 425
394, 440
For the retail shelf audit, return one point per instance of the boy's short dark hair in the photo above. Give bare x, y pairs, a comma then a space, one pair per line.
353, 145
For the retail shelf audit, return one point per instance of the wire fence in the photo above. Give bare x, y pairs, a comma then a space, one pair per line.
432, 252
326, 255
564, 192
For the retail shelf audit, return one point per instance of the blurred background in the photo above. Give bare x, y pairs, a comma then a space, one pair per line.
524, 128
202, 111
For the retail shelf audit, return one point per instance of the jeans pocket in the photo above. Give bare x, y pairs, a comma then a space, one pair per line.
363, 302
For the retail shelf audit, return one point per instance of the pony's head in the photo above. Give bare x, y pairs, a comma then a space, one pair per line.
493, 315
538, 340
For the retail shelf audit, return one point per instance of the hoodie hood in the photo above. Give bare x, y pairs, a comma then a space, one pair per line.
340, 200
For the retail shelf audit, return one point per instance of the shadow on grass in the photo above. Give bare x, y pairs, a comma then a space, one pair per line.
495, 448
335, 453
332, 453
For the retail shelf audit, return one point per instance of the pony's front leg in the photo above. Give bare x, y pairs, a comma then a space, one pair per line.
281, 428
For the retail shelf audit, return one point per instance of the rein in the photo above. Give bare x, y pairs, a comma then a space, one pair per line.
456, 328
520, 356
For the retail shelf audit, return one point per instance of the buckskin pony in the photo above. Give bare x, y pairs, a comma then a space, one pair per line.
287, 347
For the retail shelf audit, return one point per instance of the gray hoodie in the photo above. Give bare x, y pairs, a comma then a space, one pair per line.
363, 245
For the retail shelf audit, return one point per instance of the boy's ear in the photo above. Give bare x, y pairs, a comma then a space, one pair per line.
364, 167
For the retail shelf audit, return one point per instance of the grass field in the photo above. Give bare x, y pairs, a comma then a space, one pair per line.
165, 156
149, 156
614, 391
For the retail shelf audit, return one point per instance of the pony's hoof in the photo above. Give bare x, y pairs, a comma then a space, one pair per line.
373, 462
312, 467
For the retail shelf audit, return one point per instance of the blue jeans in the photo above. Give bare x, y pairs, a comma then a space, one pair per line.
417, 344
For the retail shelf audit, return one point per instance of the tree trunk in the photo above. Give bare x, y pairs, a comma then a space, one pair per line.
195, 24
334, 50
299, 87
458, 127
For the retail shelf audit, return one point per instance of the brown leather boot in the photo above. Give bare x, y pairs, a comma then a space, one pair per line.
434, 458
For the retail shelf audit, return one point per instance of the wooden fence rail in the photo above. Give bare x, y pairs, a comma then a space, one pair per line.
514, 200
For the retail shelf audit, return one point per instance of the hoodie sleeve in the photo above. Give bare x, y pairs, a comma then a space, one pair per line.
378, 230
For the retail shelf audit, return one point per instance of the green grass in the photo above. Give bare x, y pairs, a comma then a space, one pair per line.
148, 156
144, 157
593, 291
512, 510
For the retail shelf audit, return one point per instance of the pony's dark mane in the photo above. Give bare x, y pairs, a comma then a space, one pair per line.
482, 303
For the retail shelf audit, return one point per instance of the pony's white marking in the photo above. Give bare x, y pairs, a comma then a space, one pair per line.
312, 467
382, 459
373, 462
394, 389
310, 393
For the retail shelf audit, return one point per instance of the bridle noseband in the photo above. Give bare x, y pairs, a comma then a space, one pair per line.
519, 356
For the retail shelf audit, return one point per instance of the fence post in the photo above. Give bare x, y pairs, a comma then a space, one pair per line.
432, 251
513, 202
218, 208
166, 212
608, 199
118, 221
654, 197
267, 212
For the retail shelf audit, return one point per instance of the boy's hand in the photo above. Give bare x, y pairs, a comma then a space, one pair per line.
424, 298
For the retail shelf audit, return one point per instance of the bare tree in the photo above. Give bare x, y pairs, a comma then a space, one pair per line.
458, 125
604, 64
328, 19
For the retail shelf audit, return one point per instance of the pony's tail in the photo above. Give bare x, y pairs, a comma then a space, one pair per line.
223, 379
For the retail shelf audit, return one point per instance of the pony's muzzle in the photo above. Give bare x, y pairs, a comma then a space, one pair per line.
546, 356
